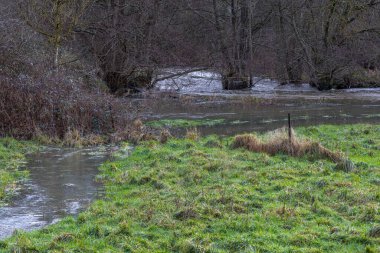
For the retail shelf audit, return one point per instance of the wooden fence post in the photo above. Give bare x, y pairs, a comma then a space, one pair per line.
289, 128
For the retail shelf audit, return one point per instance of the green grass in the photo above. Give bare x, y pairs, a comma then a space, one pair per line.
184, 123
203, 196
12, 157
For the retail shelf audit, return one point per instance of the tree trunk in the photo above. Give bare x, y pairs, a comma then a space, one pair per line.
56, 59
235, 82
238, 75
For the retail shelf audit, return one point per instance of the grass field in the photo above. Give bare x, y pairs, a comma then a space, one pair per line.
205, 196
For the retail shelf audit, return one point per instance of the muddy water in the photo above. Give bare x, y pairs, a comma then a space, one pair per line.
61, 183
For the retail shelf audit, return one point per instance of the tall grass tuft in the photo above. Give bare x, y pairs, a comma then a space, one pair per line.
193, 134
165, 135
278, 141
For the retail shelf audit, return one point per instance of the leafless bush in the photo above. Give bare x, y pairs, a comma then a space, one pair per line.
56, 106
15, 47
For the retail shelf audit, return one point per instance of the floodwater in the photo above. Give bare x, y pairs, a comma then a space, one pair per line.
61, 183
250, 117
241, 113
62, 180
203, 83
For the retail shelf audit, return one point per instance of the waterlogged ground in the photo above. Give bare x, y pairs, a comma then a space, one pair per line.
203, 196
60, 183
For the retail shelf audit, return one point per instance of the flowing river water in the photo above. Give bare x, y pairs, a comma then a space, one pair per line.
62, 180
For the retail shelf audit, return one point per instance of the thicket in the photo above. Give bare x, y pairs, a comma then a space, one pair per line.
328, 43
41, 100
52, 106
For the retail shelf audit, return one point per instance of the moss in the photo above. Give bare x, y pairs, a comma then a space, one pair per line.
189, 196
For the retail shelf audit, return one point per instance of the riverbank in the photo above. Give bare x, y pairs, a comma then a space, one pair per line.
12, 158
201, 195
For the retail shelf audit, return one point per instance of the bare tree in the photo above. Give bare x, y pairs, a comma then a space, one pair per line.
289, 53
237, 23
329, 43
123, 36
328, 32
54, 19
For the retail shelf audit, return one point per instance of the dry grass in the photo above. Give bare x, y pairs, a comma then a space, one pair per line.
138, 125
165, 136
193, 134
94, 139
72, 138
135, 133
278, 142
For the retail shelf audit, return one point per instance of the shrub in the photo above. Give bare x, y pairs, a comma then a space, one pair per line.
55, 106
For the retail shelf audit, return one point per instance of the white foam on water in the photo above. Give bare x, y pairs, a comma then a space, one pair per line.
209, 83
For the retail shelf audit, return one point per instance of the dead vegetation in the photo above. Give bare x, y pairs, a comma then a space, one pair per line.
58, 108
278, 141
138, 132
165, 135
193, 134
